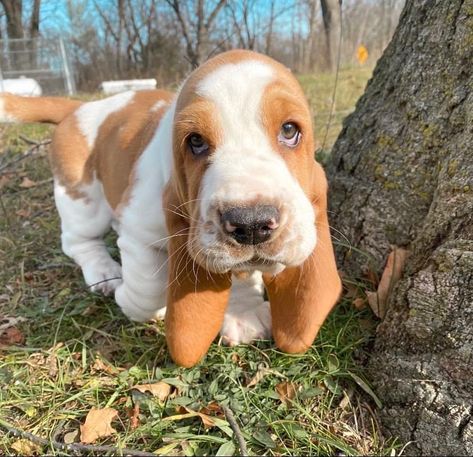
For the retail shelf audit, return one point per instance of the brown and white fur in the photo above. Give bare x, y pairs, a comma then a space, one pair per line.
125, 161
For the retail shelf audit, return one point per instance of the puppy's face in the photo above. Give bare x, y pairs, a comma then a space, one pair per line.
243, 160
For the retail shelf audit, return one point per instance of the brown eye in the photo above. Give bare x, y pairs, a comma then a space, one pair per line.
197, 144
289, 135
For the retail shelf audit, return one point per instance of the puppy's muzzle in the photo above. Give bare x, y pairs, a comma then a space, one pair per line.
250, 225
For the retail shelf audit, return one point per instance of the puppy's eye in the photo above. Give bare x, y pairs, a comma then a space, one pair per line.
197, 144
289, 134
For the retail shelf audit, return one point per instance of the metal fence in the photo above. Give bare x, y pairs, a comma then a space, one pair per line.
44, 60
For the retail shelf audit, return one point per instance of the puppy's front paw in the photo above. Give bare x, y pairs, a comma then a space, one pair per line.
132, 306
103, 275
247, 326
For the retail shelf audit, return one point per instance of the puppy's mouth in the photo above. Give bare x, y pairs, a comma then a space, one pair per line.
220, 262
259, 263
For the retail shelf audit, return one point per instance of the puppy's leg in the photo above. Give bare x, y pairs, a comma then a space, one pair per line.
85, 218
248, 316
142, 295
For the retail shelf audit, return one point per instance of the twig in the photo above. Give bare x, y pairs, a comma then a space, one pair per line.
34, 142
27, 154
74, 447
236, 430
52, 266
103, 280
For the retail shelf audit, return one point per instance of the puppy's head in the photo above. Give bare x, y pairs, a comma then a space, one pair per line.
243, 165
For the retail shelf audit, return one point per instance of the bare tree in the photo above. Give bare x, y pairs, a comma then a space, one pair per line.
331, 14
196, 33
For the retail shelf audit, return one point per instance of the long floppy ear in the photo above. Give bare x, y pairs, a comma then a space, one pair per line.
302, 297
196, 298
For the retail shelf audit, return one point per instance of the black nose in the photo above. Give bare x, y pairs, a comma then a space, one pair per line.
250, 225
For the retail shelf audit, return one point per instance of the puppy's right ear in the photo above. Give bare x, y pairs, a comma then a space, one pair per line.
196, 298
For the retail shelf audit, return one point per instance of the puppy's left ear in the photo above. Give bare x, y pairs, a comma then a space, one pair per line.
196, 298
302, 297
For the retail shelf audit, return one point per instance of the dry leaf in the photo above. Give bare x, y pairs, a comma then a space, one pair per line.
100, 365
97, 424
11, 336
286, 392
23, 213
263, 370
26, 447
27, 183
70, 437
213, 408
186, 413
52, 365
160, 389
52, 360
359, 303
134, 415
7, 322
391, 275
4, 180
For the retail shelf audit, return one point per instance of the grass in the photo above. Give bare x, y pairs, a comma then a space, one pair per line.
80, 352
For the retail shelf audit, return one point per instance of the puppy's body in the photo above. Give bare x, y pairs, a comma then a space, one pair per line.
111, 161
125, 162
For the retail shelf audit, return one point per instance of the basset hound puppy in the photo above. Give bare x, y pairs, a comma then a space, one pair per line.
214, 194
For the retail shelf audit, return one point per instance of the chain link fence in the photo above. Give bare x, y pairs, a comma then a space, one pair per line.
44, 60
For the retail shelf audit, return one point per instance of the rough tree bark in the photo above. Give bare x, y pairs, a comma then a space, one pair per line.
402, 174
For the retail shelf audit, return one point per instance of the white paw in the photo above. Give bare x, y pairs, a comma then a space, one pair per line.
103, 275
138, 308
247, 326
160, 314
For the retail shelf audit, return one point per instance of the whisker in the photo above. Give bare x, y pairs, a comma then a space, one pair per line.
166, 238
168, 259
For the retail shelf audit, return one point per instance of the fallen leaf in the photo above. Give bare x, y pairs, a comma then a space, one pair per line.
70, 437
359, 303
26, 447
391, 275
7, 322
27, 183
259, 375
100, 365
213, 408
286, 392
4, 180
11, 336
52, 360
23, 213
160, 389
97, 424
52, 366
133, 414
186, 413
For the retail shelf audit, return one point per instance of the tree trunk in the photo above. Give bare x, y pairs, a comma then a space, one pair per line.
402, 174
331, 10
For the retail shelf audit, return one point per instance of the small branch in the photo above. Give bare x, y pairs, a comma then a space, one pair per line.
34, 142
31, 151
236, 430
74, 447
103, 280
52, 266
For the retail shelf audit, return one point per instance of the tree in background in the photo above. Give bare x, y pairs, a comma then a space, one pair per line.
331, 15
196, 20
401, 174
17, 29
